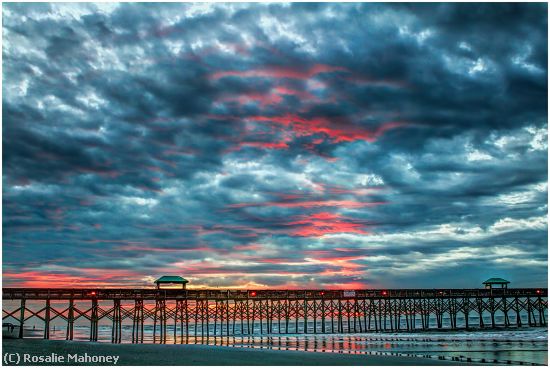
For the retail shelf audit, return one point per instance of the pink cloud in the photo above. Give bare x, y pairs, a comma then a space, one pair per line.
322, 223
338, 129
278, 72
309, 204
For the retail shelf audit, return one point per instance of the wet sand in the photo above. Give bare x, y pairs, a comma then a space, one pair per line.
149, 354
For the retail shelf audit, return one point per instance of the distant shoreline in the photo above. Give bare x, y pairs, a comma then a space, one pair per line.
178, 354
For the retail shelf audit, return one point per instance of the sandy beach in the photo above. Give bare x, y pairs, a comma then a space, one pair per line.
148, 354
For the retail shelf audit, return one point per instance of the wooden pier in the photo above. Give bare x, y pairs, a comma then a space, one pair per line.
212, 313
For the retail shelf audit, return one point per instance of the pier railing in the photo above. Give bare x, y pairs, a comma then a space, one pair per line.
152, 294
212, 312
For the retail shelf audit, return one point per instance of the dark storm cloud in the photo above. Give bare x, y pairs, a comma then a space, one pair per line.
349, 145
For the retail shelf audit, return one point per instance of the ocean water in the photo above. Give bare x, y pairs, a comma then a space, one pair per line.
517, 345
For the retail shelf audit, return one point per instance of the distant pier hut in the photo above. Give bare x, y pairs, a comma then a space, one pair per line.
172, 281
493, 282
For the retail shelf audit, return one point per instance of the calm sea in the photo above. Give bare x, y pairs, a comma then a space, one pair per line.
527, 345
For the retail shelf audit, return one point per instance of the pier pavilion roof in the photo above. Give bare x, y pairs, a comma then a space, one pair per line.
495, 280
171, 280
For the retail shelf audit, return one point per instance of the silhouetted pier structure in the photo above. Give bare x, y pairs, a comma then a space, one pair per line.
210, 313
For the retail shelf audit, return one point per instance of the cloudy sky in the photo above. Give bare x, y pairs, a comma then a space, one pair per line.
283, 145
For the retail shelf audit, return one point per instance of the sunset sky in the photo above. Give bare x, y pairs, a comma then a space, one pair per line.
275, 146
